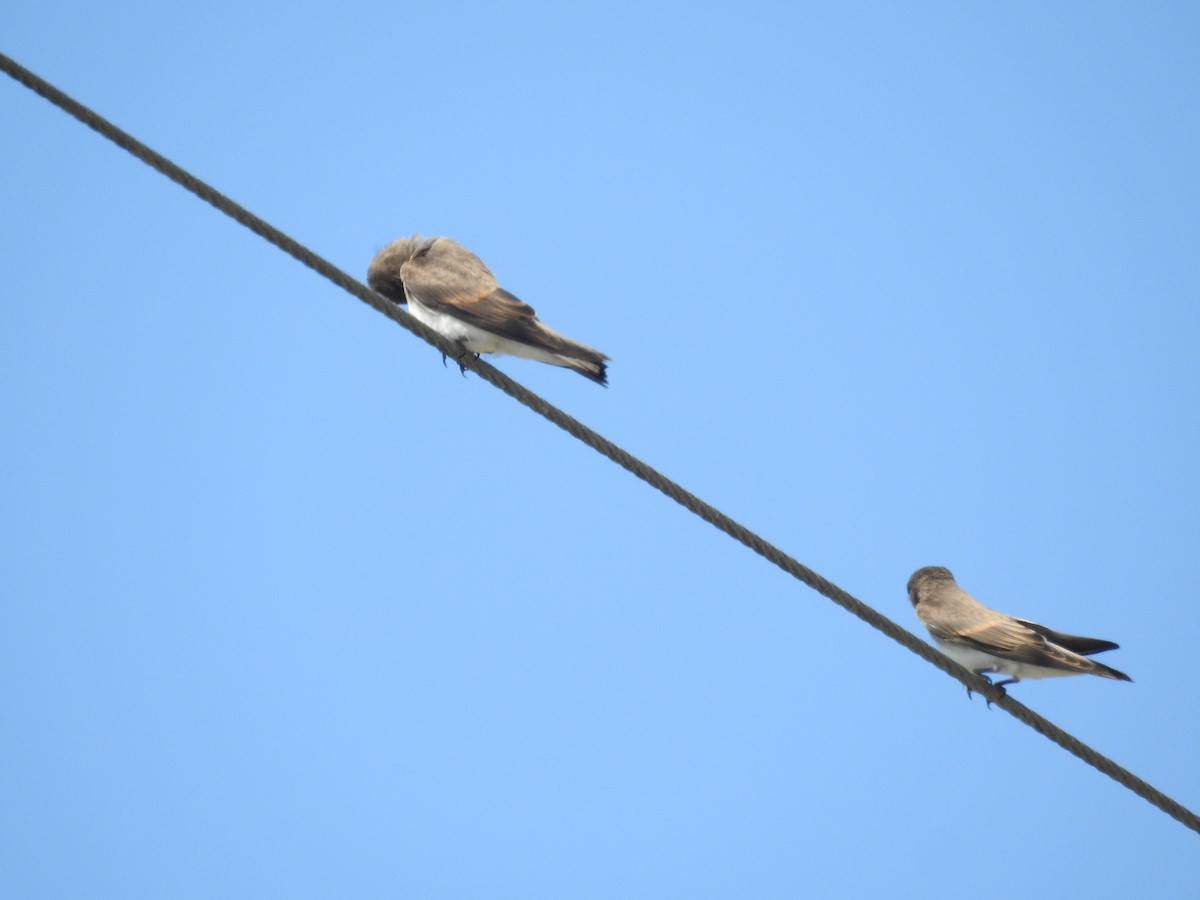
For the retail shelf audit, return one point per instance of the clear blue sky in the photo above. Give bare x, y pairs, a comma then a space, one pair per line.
291, 610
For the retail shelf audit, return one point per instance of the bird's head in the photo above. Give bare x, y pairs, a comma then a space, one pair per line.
383, 275
929, 575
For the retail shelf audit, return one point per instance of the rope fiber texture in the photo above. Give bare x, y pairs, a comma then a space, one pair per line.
577, 429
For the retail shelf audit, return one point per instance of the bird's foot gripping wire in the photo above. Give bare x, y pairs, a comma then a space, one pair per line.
461, 368
999, 686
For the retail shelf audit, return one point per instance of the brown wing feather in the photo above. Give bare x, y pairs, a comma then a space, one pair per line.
449, 278
501, 313
1006, 637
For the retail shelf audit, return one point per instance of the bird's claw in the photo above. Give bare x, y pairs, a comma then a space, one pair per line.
998, 686
461, 368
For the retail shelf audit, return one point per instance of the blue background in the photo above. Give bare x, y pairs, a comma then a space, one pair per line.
290, 610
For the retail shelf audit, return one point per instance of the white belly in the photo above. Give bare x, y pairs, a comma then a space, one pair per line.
474, 339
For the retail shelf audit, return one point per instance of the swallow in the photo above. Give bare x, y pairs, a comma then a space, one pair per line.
984, 640
449, 288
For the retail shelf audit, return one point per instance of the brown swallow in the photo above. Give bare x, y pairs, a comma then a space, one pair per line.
449, 288
984, 640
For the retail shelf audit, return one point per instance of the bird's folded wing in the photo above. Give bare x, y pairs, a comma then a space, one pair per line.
1007, 638
466, 289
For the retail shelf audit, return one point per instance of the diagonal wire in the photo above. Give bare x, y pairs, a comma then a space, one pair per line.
577, 429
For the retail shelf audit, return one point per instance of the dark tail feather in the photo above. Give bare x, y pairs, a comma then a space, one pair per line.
1084, 646
1110, 672
591, 369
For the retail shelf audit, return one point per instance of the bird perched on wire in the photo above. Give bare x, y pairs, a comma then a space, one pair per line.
449, 288
983, 640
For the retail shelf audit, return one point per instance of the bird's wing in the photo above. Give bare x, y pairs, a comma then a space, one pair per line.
460, 285
1003, 636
